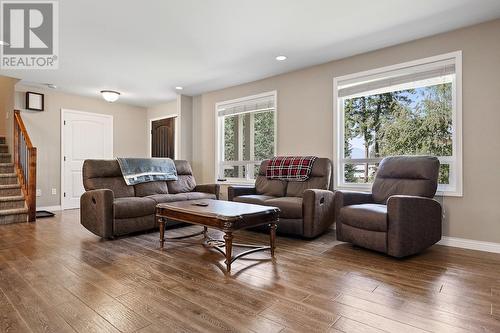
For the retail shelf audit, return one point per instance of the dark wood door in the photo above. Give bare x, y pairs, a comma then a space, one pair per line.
163, 138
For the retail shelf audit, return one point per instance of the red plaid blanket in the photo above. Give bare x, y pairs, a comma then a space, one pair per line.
294, 168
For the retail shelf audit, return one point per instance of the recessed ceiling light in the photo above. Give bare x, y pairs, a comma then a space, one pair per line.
4, 43
281, 57
51, 86
110, 95
179, 88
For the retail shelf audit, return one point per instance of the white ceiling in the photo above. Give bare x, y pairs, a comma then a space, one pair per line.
146, 48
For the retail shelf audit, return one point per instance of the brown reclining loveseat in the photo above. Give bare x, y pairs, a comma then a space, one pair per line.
110, 207
307, 207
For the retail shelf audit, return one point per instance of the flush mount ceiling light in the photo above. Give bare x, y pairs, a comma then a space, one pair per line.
110, 95
281, 57
179, 88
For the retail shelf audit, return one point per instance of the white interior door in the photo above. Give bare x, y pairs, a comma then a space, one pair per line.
84, 136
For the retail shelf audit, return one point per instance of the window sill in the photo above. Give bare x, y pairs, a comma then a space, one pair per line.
439, 193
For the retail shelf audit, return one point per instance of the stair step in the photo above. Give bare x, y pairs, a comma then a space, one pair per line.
10, 190
5, 158
8, 178
4, 148
18, 215
2, 139
6, 168
12, 202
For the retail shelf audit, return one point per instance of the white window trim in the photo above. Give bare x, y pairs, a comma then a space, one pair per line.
219, 135
338, 143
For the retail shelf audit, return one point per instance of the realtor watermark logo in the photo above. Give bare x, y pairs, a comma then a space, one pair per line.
30, 32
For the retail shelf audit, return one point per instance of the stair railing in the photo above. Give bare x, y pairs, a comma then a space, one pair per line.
25, 164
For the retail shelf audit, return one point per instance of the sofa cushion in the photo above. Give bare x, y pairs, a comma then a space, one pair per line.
183, 184
320, 179
133, 207
162, 198
150, 188
371, 217
199, 195
291, 207
116, 184
105, 174
257, 199
272, 187
185, 180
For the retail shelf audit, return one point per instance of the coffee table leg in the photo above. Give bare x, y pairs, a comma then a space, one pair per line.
228, 238
205, 230
161, 223
272, 237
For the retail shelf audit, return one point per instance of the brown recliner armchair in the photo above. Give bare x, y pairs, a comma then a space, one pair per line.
400, 216
306, 207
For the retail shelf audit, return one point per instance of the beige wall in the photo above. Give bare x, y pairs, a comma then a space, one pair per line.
129, 126
305, 118
7, 86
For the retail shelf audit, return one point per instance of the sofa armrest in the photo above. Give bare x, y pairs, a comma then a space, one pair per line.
208, 188
96, 212
414, 223
348, 198
236, 191
318, 211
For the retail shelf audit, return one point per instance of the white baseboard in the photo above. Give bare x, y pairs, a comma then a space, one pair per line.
50, 208
470, 244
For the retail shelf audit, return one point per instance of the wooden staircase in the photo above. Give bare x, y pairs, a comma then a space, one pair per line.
17, 177
13, 207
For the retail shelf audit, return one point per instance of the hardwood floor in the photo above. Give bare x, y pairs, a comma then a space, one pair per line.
55, 276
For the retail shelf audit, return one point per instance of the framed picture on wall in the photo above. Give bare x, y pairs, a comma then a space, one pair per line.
34, 101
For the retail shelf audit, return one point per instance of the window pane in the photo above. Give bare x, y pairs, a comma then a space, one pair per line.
264, 135
444, 174
360, 173
234, 172
230, 138
405, 122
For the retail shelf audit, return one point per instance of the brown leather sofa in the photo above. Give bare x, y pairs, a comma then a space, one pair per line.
400, 216
307, 207
110, 207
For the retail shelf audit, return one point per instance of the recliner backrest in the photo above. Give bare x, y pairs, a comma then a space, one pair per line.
185, 180
320, 178
105, 174
406, 175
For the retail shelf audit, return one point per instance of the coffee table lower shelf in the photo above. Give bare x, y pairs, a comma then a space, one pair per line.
225, 246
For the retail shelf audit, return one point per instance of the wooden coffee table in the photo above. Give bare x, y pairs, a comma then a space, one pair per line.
226, 216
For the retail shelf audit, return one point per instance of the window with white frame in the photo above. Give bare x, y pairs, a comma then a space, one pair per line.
246, 135
408, 109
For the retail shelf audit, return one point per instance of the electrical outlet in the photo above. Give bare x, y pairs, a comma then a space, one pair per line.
38, 192
54, 191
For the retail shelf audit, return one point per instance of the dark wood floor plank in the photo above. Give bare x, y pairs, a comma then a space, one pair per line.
38, 314
10, 321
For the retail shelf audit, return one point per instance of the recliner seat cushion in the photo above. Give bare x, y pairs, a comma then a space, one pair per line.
371, 217
256, 199
290, 207
133, 207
